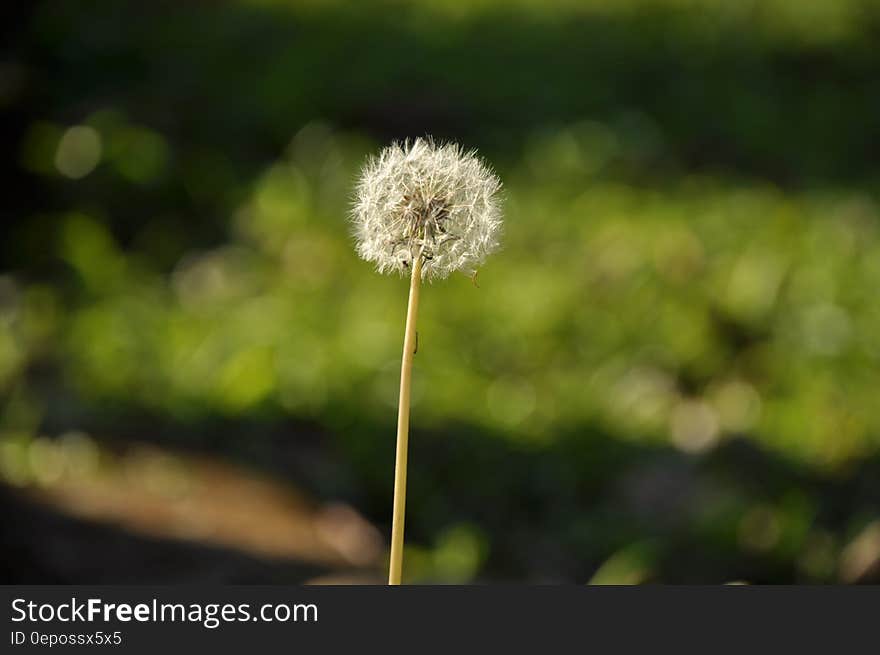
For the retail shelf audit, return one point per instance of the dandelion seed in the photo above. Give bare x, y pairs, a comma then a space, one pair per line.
419, 198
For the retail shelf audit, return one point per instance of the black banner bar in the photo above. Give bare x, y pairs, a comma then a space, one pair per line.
327, 619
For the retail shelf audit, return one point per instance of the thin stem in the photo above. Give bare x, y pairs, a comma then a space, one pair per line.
409, 349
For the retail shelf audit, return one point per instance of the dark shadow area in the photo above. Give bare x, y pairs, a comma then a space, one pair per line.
43, 547
226, 87
543, 514
596, 494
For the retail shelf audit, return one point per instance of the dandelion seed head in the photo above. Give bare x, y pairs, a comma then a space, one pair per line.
418, 198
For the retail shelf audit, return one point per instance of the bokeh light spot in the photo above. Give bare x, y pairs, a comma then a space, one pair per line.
78, 152
694, 426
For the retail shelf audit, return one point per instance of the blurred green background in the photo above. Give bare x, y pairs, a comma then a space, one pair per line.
670, 372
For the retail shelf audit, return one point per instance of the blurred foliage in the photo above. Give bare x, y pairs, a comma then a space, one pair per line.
669, 373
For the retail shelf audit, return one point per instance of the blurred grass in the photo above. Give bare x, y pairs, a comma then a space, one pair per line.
671, 367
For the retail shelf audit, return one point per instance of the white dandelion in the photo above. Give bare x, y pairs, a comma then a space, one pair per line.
418, 199
428, 210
